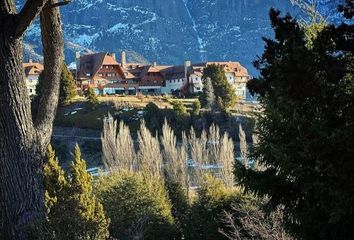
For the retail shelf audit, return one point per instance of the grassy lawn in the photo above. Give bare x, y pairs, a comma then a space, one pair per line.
127, 108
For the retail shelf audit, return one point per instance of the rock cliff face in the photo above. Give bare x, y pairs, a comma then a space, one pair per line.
171, 31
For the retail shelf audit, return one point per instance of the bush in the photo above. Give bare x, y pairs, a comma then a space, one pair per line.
91, 97
179, 108
196, 108
137, 205
206, 216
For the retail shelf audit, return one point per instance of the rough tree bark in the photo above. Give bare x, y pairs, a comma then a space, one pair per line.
23, 140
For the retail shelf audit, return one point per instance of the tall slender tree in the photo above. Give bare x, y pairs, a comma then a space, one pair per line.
306, 129
222, 88
67, 86
23, 140
208, 97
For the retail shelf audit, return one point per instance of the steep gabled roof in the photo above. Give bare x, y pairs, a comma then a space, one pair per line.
97, 60
174, 72
230, 67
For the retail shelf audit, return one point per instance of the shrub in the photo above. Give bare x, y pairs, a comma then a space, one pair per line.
137, 205
206, 216
91, 97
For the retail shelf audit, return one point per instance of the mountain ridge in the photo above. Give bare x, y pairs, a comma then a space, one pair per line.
171, 31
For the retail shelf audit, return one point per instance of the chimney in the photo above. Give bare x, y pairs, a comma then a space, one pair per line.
113, 55
187, 65
30, 60
123, 58
77, 62
154, 64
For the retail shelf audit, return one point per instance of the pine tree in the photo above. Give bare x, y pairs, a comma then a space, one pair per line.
91, 222
67, 86
73, 212
54, 181
222, 88
306, 129
91, 97
208, 97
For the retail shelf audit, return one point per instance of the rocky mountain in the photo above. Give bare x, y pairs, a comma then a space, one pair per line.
170, 31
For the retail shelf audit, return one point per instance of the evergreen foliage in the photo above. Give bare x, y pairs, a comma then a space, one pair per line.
73, 212
221, 87
305, 133
178, 196
67, 86
137, 205
152, 116
208, 97
347, 9
91, 97
206, 214
196, 108
179, 108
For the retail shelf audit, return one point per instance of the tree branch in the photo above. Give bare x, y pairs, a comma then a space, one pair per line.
29, 12
7, 7
58, 4
53, 51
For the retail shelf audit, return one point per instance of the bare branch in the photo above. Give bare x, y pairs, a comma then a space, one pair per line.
149, 155
174, 157
53, 49
245, 222
118, 151
59, 4
27, 15
7, 7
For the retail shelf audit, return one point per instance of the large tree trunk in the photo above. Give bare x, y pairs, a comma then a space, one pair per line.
23, 143
20, 192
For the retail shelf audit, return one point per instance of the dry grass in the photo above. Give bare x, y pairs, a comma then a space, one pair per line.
137, 101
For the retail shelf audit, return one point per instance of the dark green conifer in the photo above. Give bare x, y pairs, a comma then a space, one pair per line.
73, 212
306, 129
67, 86
221, 87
